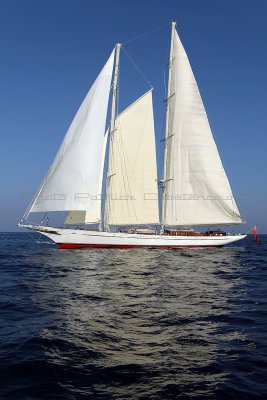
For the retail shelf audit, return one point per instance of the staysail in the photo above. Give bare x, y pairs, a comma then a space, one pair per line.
87, 217
196, 188
72, 181
132, 181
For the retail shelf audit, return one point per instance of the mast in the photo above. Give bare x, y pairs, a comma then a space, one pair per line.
112, 129
163, 209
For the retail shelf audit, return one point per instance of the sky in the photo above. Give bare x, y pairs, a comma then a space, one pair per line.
52, 50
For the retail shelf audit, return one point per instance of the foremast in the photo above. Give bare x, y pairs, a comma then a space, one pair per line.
167, 133
114, 111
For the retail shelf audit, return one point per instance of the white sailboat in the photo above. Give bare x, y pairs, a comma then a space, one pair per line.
195, 188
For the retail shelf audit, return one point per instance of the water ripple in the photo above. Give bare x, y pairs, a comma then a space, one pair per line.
137, 324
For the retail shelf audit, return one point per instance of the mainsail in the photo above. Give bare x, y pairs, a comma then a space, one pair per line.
132, 175
72, 182
196, 188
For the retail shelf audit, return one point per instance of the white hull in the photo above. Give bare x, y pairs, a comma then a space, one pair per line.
79, 238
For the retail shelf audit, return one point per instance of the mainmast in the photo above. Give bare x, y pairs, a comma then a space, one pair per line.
115, 89
167, 133
112, 130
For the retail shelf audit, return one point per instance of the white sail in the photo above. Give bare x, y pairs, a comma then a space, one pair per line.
197, 191
132, 181
72, 182
87, 217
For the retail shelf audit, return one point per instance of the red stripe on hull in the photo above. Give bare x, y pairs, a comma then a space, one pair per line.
122, 246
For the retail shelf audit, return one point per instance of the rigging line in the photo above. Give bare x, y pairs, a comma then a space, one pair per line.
146, 33
158, 61
137, 68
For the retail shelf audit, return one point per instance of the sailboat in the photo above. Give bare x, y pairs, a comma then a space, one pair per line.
195, 191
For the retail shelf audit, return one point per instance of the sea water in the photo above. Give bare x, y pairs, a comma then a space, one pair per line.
132, 324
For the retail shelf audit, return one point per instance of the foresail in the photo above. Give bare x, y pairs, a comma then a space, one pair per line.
72, 182
132, 193
87, 217
197, 191
78, 218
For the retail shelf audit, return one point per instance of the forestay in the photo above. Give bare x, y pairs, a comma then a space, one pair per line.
72, 182
197, 191
132, 182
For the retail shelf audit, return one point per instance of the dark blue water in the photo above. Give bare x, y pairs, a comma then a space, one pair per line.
132, 324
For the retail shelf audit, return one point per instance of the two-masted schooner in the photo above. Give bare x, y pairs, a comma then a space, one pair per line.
124, 201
